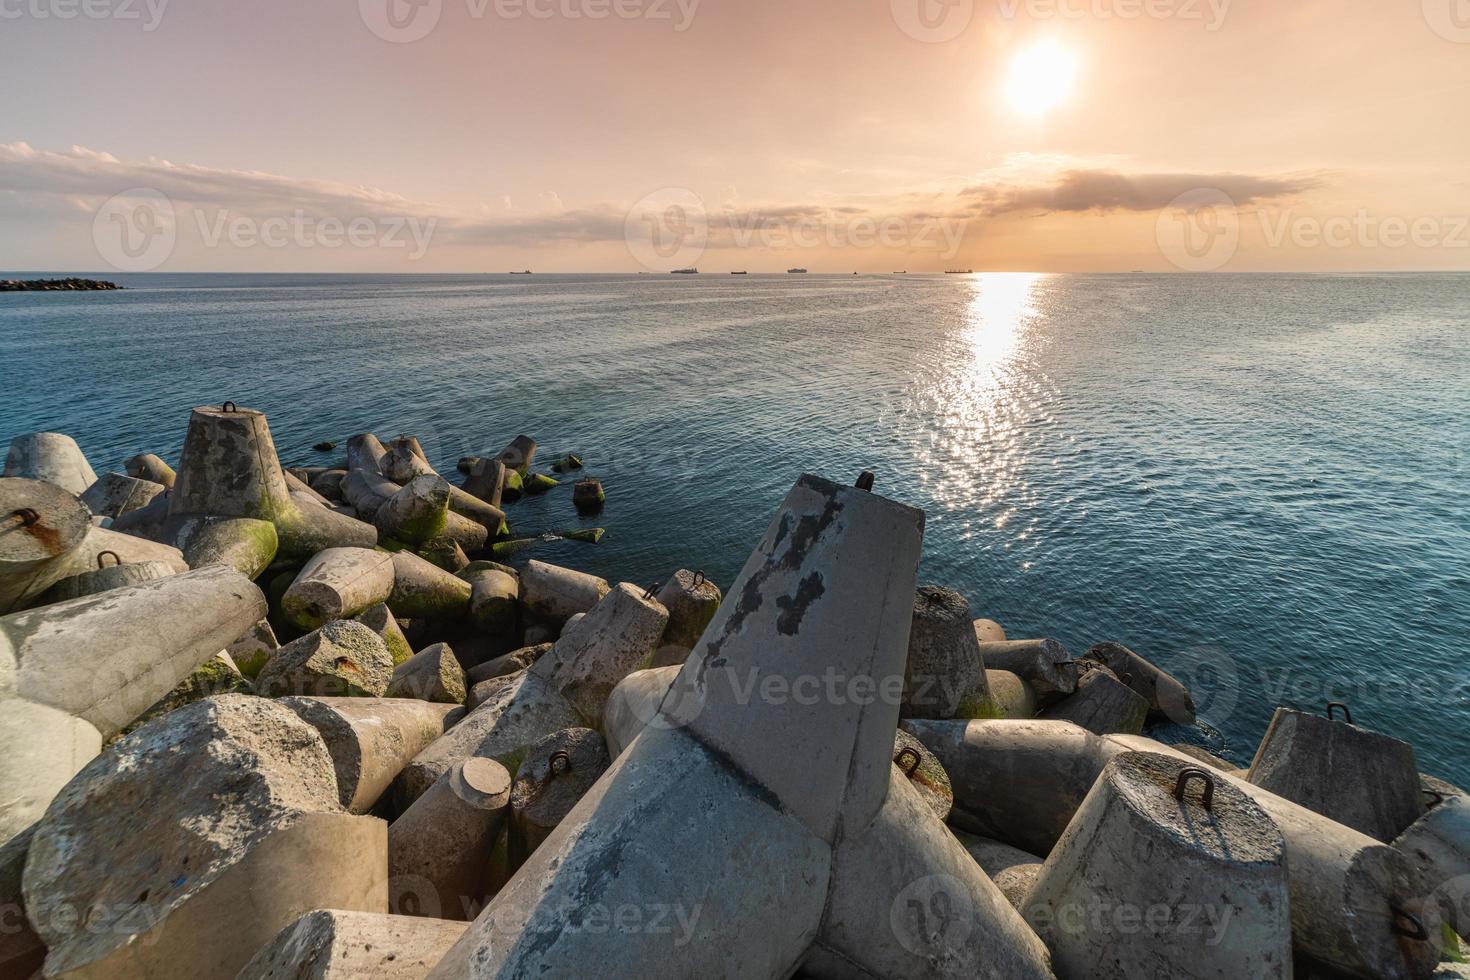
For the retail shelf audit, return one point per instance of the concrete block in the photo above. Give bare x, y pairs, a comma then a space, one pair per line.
1013, 870
329, 485
338, 583
1044, 664
1165, 694
424, 590
218, 825
1216, 867
372, 739
365, 452
552, 595
42, 526
494, 601
1438, 844
923, 771
253, 648
588, 496
380, 620
43, 749
510, 663
214, 677
245, 544
402, 464
329, 944
1102, 704
989, 631
112, 543
614, 638
439, 849
147, 466
342, 659
367, 491
486, 480
445, 552
140, 642
945, 675
692, 601
51, 458
470, 535
103, 578
417, 513
519, 454
1364, 780
115, 494
556, 773
635, 703
432, 674
1010, 696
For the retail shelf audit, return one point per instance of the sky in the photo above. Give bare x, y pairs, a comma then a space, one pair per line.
761, 135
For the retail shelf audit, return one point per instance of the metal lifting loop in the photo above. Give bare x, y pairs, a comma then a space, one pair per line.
229, 407
116, 558
1408, 925
912, 767
1192, 773
1346, 712
28, 515
865, 481
699, 578
652, 591
560, 763
1434, 797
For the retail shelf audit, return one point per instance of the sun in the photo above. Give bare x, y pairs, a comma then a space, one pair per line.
1041, 78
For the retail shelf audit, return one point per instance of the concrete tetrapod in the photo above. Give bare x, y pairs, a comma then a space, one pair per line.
380, 620
1162, 691
1357, 905
486, 480
338, 583
147, 466
115, 494
633, 704
692, 601
333, 945
102, 541
342, 659
44, 749
924, 773
41, 527
1044, 664
139, 643
557, 772
1439, 845
218, 825
439, 850
552, 594
1102, 704
1367, 781
417, 513
244, 543
106, 577
1013, 870
229, 468
945, 675
727, 801
1215, 874
421, 589
52, 458
372, 739
432, 674
493, 600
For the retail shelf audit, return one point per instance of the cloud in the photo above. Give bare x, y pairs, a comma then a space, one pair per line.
1077, 191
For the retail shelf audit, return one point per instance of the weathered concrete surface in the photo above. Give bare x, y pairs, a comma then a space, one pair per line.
367, 491
1044, 664
510, 663
245, 544
486, 480
1102, 704
1439, 845
229, 468
215, 676
417, 513
470, 535
519, 454
424, 590
365, 452
488, 689
445, 552
203, 822
989, 631
139, 643
372, 739
432, 674
52, 458
588, 496
308, 530
147, 466
945, 675
333, 945
115, 494
552, 594
101, 541
338, 583
1021, 782
692, 601
608, 644
500, 729
43, 749
825, 601
1162, 691
494, 601
253, 648
1010, 696
302, 492
439, 849
472, 508
380, 620
923, 771
1218, 869
105, 578
41, 527
403, 463
342, 659
633, 704
622, 846
556, 773
1367, 781
21, 950
329, 485
906, 900
1013, 870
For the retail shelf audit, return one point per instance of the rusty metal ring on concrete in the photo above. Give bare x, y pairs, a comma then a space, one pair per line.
908, 752
229, 407
1435, 798
1191, 773
1347, 713
1415, 930
560, 757
652, 591
28, 515
699, 578
117, 558
865, 481
1127, 678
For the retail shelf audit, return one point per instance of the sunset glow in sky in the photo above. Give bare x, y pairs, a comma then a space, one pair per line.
622, 135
